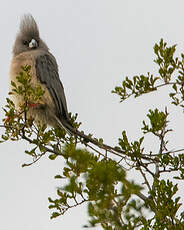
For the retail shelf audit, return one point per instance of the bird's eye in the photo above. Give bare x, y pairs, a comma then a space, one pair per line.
25, 43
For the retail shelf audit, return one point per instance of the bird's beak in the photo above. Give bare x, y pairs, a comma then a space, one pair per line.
33, 44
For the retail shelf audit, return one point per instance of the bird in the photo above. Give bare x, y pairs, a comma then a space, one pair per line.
30, 50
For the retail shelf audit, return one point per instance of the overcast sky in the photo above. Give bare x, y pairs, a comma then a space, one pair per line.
96, 44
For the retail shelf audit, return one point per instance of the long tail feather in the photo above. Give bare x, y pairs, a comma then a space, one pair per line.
72, 131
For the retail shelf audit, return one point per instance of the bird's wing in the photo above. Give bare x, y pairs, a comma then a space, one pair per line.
47, 73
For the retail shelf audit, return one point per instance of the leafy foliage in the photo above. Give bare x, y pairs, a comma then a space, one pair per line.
97, 174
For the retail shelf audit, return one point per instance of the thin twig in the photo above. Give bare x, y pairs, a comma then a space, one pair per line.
89, 146
46, 148
145, 178
34, 161
142, 196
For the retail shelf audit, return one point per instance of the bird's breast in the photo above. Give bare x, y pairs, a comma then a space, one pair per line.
41, 114
20, 61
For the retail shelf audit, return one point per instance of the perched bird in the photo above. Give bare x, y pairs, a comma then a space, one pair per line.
30, 49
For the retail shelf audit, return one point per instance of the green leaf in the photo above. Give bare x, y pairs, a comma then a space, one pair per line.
52, 156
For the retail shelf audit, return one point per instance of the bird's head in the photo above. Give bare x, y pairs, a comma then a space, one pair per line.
28, 37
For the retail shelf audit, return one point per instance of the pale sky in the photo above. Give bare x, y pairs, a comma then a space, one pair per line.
96, 44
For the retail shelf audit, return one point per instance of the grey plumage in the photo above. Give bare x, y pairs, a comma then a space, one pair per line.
47, 73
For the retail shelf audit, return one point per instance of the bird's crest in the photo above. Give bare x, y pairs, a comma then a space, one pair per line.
28, 26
